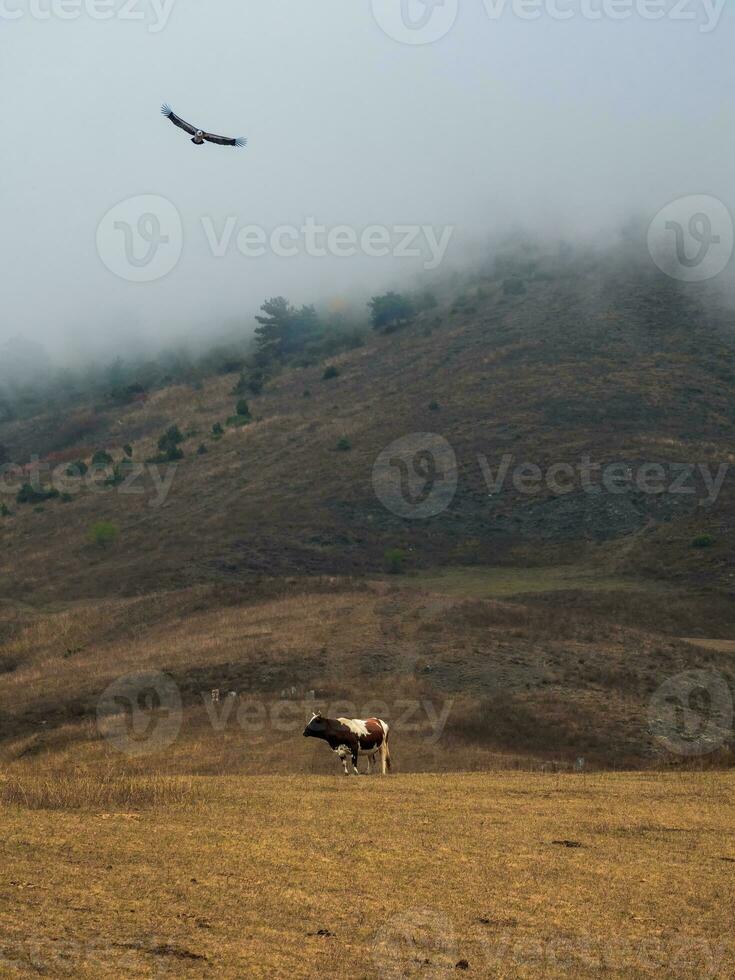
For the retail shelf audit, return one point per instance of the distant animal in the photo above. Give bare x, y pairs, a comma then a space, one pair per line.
199, 135
352, 737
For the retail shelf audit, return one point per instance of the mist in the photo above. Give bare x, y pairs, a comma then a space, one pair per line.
564, 128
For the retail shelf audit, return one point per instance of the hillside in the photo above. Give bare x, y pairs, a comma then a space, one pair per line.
467, 683
597, 359
548, 616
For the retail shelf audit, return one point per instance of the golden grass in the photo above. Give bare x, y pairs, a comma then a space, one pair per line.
403, 876
80, 790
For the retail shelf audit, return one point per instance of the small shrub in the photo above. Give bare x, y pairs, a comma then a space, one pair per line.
5, 511
128, 450
102, 458
330, 372
343, 445
168, 445
306, 393
27, 495
202, 450
217, 430
395, 560
703, 541
242, 408
77, 469
173, 436
120, 472
103, 533
433, 406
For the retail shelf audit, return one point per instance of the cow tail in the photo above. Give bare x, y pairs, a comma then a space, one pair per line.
384, 750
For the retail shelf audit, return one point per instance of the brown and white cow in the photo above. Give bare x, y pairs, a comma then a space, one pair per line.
352, 737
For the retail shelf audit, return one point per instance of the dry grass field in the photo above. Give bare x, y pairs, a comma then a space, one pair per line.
514, 875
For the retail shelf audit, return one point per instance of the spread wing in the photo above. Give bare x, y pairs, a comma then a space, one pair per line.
178, 121
225, 140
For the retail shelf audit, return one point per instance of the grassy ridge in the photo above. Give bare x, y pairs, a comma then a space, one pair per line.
467, 683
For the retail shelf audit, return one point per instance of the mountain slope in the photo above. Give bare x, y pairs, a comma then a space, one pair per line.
597, 360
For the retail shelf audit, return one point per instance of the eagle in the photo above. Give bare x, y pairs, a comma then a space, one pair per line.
199, 136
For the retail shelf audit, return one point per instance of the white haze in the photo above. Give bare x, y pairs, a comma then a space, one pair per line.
565, 128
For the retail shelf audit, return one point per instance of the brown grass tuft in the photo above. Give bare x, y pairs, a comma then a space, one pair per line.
95, 791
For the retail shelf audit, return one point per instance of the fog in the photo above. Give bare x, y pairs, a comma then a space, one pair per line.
562, 127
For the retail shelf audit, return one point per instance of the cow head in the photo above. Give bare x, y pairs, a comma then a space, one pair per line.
316, 726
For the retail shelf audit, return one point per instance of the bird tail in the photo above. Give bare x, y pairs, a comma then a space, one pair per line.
241, 141
166, 109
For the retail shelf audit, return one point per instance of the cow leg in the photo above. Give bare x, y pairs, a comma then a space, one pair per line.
342, 752
369, 758
354, 762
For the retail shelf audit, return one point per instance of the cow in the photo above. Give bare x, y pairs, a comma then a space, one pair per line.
352, 737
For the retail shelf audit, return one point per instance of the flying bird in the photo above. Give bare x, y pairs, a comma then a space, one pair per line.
199, 136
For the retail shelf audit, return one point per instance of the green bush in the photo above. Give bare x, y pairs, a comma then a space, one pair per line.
27, 495
217, 430
395, 560
330, 372
116, 477
173, 436
77, 469
242, 408
703, 541
202, 450
390, 310
102, 458
5, 511
168, 445
433, 406
103, 533
128, 450
343, 445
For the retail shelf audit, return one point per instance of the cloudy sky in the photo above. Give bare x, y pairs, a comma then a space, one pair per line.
364, 119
